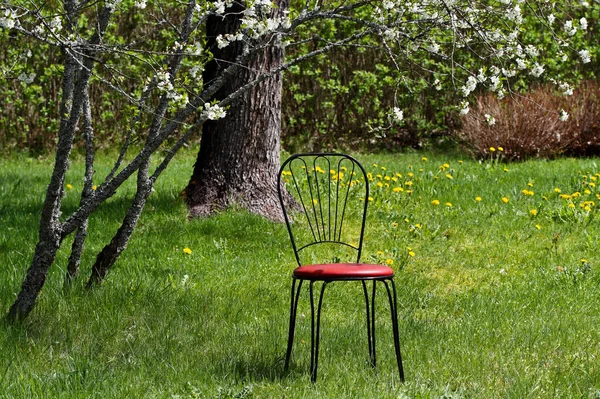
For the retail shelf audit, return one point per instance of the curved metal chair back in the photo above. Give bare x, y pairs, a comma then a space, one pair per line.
329, 189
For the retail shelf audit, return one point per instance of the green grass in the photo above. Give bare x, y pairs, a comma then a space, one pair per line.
495, 302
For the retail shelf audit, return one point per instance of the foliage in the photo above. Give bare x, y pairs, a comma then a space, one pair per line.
529, 127
328, 104
494, 300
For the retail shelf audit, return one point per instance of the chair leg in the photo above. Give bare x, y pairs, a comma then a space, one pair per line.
374, 358
369, 336
394, 311
292, 327
314, 352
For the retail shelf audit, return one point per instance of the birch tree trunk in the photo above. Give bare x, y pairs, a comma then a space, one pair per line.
239, 154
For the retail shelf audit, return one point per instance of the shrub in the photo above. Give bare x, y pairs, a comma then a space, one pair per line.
530, 125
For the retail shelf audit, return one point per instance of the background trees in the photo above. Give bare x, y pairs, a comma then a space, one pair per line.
149, 59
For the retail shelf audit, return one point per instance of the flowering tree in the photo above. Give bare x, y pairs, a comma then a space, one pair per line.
174, 89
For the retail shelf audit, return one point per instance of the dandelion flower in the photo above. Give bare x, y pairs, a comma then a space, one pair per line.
533, 212
435, 202
583, 260
492, 149
370, 198
557, 190
424, 159
449, 176
478, 199
449, 204
398, 189
186, 250
500, 149
537, 226
411, 253
69, 187
505, 200
94, 187
389, 262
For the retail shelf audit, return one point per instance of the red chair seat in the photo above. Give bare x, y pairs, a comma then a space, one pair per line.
342, 271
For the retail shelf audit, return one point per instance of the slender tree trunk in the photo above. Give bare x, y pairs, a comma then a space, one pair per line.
75, 82
81, 234
239, 154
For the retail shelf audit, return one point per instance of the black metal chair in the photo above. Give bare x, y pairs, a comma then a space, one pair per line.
324, 187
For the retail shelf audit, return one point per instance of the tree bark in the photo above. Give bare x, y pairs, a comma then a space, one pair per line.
239, 154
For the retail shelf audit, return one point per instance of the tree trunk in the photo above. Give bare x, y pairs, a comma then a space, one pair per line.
239, 154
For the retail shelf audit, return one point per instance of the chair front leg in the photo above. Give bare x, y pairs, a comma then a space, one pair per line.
394, 311
369, 336
292, 327
314, 353
374, 357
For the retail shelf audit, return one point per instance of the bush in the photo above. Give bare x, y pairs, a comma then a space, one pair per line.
530, 125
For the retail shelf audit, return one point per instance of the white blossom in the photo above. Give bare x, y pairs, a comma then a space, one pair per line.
567, 90
469, 86
563, 115
537, 70
490, 119
213, 112
141, 4
551, 19
583, 23
25, 78
397, 115
569, 28
8, 21
585, 56
464, 108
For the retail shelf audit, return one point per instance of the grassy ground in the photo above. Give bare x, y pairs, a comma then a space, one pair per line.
497, 299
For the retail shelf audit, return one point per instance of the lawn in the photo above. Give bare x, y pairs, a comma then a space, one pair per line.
496, 264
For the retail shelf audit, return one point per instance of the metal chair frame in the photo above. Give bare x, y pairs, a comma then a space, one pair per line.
326, 226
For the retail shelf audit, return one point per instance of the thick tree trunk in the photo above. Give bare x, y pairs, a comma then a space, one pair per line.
239, 154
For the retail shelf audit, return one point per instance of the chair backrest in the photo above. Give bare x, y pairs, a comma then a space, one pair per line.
330, 197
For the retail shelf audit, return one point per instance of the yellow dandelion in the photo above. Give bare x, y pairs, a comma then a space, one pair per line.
394, 224
410, 174
424, 159
530, 184
389, 262
186, 250
380, 253
435, 202
449, 176
505, 169
408, 183
460, 162
398, 189
383, 168
583, 260
315, 201
492, 149
587, 192
557, 190
379, 184
411, 253
571, 205
478, 199
94, 187
69, 187
500, 149
370, 198
537, 226
449, 204
387, 178
505, 200
533, 212
418, 225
